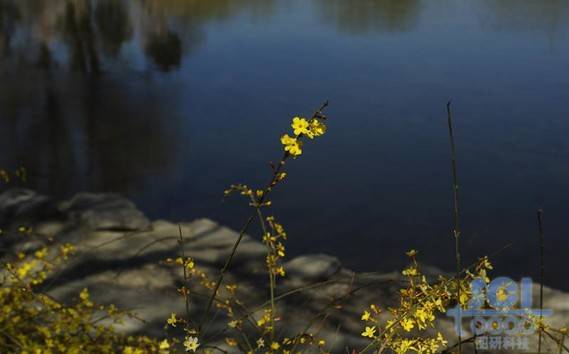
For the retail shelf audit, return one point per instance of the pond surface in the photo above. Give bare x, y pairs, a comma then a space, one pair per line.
170, 101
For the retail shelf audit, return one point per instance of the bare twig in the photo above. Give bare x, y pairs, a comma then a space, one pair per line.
456, 213
541, 273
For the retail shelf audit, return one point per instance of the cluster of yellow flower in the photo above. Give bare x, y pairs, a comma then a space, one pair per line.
229, 304
285, 346
33, 322
256, 197
191, 343
226, 300
301, 127
419, 303
276, 249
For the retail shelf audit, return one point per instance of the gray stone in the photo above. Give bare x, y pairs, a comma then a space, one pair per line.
105, 212
20, 204
313, 267
120, 256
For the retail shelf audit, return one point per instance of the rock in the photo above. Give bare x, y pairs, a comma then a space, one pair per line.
28, 247
120, 258
49, 229
105, 212
313, 267
24, 205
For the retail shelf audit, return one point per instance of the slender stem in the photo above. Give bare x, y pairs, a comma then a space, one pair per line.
185, 288
268, 189
457, 344
222, 272
272, 280
456, 213
244, 229
248, 313
541, 272
322, 312
556, 341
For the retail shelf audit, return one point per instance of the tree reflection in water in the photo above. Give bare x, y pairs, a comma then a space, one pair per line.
357, 16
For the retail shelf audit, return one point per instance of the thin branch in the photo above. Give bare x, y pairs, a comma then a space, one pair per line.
541, 272
456, 213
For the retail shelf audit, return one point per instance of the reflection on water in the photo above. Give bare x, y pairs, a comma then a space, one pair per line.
79, 35
93, 29
112, 19
358, 16
546, 16
9, 16
64, 116
59, 111
191, 11
143, 97
165, 49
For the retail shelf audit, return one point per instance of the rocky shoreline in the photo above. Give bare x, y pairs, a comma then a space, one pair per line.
120, 253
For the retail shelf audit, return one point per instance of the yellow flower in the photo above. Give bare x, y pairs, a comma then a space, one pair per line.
280, 271
190, 264
164, 345
233, 324
421, 314
369, 332
375, 308
464, 298
411, 253
275, 346
231, 288
410, 272
25, 269
291, 145
317, 128
172, 320
404, 346
287, 140
441, 339
366, 316
191, 344
41, 254
300, 126
482, 274
260, 343
407, 324
231, 342
280, 249
84, 295
486, 263
423, 317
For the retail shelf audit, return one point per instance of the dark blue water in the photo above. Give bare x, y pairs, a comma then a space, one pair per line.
170, 101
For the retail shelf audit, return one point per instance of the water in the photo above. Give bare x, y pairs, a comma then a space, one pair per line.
170, 101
